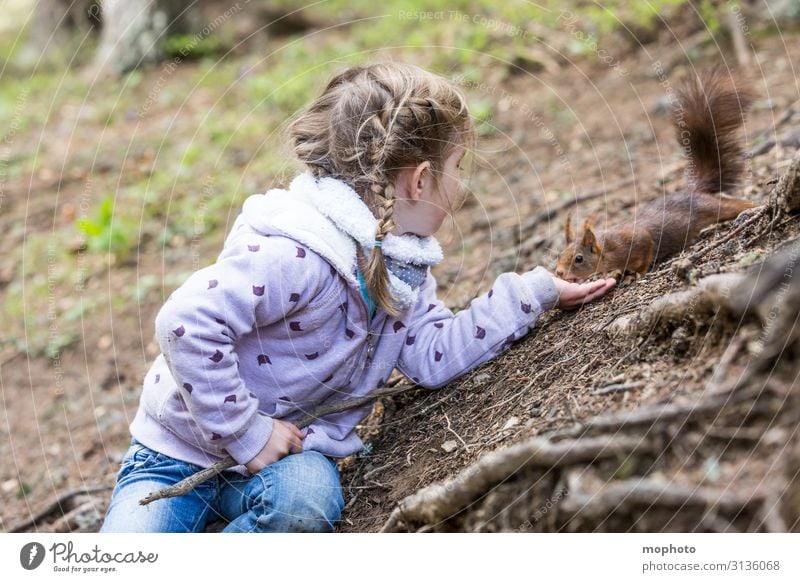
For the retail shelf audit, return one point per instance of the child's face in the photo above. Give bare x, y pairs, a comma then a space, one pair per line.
421, 206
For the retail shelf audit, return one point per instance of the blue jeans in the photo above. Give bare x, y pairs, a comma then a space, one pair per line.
299, 493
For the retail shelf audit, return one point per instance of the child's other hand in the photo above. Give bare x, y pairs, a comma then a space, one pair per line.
285, 439
573, 295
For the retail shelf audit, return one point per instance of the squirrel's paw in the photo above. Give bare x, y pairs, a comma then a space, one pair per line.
624, 277
617, 274
631, 277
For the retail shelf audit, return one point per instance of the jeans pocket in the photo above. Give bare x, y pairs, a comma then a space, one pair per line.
140, 457
129, 459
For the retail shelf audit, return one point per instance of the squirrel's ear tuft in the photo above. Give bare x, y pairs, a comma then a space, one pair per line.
588, 235
568, 228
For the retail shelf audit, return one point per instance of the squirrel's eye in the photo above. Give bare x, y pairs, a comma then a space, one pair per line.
578, 259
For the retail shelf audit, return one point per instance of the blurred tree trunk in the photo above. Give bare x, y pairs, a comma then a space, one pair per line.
55, 24
134, 31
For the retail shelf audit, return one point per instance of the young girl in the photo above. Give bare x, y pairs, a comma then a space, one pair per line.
320, 291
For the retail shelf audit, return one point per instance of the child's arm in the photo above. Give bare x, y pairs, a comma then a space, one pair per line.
256, 281
441, 346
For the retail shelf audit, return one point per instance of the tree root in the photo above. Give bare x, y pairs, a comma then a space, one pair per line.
625, 436
704, 301
653, 416
787, 192
648, 492
442, 500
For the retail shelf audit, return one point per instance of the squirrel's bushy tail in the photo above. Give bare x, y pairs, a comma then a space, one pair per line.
710, 110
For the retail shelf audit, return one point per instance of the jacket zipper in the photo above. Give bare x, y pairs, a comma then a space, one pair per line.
369, 344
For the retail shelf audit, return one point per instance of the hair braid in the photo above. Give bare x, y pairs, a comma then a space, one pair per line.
376, 275
370, 122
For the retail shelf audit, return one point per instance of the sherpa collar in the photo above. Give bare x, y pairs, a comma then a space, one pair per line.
329, 217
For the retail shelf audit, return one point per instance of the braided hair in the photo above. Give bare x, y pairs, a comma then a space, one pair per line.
370, 122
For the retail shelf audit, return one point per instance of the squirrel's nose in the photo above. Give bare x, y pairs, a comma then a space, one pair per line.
560, 273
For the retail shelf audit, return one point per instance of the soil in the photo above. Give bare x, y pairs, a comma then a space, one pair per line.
65, 422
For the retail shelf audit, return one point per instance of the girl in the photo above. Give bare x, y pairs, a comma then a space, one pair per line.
320, 291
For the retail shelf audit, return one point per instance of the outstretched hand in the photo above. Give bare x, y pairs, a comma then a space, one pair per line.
573, 295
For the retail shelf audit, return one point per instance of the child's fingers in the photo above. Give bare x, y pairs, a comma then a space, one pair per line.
601, 284
596, 291
580, 294
595, 285
583, 290
292, 428
296, 446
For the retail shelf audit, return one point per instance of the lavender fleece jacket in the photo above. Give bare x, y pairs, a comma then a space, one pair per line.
278, 325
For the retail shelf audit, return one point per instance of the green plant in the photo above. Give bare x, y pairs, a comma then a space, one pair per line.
23, 489
103, 235
709, 15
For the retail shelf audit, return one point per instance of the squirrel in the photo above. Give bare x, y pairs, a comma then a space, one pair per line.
710, 110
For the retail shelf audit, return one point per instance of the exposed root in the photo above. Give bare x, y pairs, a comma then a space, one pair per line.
442, 500
706, 300
648, 492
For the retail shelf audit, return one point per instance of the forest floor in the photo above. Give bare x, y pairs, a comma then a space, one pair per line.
556, 135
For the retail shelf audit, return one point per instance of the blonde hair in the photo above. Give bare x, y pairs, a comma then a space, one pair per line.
370, 122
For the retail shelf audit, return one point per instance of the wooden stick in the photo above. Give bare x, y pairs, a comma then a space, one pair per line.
613, 388
183, 487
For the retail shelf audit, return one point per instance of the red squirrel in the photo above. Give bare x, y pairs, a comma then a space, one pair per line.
709, 113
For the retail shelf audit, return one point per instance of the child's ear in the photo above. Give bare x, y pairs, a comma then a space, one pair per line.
407, 183
568, 228
421, 173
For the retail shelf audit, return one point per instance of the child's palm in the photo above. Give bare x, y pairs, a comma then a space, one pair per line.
573, 295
